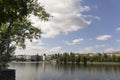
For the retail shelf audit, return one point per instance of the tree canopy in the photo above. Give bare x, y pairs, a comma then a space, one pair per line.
15, 25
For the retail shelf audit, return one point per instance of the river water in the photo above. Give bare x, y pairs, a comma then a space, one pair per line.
52, 71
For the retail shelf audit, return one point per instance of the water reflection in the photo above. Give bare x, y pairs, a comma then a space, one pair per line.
50, 71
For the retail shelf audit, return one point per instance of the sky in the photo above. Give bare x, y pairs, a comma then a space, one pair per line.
80, 26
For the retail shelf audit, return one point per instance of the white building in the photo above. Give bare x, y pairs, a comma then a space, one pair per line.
44, 57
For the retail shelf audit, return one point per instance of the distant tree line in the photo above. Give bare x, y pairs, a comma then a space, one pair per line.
77, 58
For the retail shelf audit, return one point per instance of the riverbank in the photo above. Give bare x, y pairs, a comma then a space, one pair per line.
30, 62
102, 63
105, 63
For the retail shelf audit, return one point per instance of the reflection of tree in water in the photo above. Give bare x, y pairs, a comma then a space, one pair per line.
36, 66
52, 71
21, 64
71, 68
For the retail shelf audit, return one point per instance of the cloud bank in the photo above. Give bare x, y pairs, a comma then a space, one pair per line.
37, 47
90, 49
67, 17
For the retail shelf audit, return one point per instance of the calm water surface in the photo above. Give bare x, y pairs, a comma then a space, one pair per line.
51, 71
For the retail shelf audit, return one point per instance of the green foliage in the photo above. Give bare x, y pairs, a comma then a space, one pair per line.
77, 58
72, 57
11, 10
38, 58
15, 26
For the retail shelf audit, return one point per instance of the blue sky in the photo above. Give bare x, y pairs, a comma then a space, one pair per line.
81, 26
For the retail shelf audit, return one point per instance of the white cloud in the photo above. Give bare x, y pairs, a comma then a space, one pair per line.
35, 42
98, 46
118, 29
92, 17
33, 50
67, 17
75, 41
55, 49
117, 40
36, 47
109, 50
90, 49
86, 50
103, 37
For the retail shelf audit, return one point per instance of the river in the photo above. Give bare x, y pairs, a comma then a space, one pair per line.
52, 71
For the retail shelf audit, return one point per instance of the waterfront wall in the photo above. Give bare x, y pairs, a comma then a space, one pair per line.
7, 74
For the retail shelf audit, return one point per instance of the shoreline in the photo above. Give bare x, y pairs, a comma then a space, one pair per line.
92, 63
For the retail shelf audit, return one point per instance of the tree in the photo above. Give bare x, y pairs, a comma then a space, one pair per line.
72, 57
15, 25
78, 59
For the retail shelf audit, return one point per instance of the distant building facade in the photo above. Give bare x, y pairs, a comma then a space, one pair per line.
44, 57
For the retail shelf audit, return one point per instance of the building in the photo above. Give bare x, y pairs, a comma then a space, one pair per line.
44, 57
